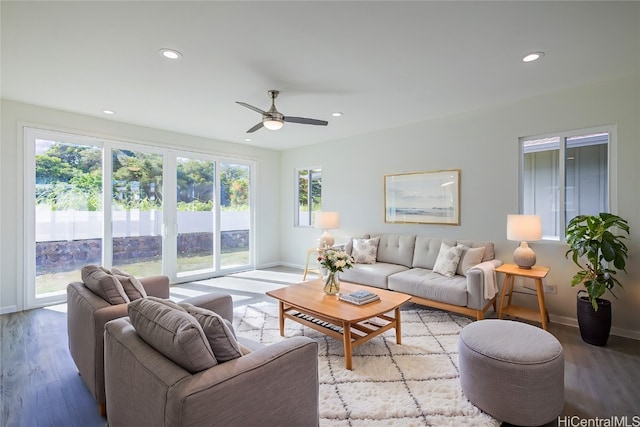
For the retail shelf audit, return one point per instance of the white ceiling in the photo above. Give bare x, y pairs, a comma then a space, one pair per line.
383, 64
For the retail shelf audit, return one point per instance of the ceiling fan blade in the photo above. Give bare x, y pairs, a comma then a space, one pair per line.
255, 128
251, 107
305, 121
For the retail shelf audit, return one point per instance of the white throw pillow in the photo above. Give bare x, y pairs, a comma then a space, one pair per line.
469, 258
447, 261
365, 251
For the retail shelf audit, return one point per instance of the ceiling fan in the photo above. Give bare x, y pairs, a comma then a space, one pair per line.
274, 120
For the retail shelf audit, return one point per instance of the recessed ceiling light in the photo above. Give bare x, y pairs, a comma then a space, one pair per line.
336, 114
170, 53
109, 112
247, 140
533, 56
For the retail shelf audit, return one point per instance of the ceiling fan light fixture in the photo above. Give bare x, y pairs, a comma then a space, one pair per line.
272, 124
273, 119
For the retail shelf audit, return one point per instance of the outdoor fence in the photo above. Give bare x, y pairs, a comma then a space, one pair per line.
67, 240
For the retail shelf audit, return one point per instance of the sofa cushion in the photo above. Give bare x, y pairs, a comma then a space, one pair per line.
104, 284
396, 249
448, 259
469, 258
172, 331
371, 274
489, 248
219, 335
365, 250
427, 250
131, 285
426, 284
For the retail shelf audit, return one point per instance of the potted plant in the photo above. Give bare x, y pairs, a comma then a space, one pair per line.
600, 254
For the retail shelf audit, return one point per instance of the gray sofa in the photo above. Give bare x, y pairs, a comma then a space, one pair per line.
405, 262
275, 385
87, 314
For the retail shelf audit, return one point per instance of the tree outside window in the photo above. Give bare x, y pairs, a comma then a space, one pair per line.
308, 195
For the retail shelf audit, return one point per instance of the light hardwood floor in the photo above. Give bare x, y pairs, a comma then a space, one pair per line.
40, 385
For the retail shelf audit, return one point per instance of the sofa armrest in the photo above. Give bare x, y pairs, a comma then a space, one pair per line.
475, 286
219, 303
156, 286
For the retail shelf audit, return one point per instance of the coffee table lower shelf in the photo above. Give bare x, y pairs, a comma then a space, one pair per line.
352, 334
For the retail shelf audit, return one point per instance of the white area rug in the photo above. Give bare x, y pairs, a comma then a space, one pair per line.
413, 384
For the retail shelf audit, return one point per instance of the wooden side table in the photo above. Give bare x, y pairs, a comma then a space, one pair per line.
311, 270
537, 273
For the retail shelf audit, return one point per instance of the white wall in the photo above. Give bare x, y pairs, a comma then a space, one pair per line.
484, 145
15, 115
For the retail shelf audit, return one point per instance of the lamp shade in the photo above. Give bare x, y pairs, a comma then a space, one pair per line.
524, 228
327, 220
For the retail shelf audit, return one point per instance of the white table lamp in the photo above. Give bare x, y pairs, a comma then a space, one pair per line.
326, 221
524, 228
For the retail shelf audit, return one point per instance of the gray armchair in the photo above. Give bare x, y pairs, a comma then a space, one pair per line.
275, 385
87, 313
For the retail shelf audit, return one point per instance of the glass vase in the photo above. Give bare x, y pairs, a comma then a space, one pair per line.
331, 283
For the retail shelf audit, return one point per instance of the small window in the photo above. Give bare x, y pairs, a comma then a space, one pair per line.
308, 196
563, 176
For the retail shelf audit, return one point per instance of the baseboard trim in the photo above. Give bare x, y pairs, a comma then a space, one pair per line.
573, 322
271, 265
8, 309
290, 265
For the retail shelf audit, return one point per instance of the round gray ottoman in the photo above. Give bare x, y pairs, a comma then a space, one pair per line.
512, 371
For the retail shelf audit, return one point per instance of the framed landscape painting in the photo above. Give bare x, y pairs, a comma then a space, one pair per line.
423, 197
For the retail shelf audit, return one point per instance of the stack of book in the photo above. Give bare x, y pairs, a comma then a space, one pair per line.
359, 297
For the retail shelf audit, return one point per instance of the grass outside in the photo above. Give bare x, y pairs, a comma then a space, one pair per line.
57, 282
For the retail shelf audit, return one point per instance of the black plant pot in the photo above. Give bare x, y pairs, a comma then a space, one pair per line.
594, 325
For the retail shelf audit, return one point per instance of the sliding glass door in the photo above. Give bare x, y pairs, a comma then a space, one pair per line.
67, 212
235, 218
195, 216
185, 215
136, 211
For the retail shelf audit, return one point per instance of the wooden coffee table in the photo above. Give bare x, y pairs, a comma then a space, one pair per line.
307, 304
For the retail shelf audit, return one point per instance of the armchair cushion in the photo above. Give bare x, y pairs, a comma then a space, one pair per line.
219, 335
104, 284
173, 332
131, 284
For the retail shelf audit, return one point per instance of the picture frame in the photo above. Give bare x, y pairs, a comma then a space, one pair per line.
431, 197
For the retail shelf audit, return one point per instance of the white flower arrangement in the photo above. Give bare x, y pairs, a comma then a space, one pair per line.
335, 260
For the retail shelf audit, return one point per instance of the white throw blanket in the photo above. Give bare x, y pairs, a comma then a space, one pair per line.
490, 283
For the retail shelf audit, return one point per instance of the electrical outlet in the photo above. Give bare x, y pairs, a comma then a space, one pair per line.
550, 289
